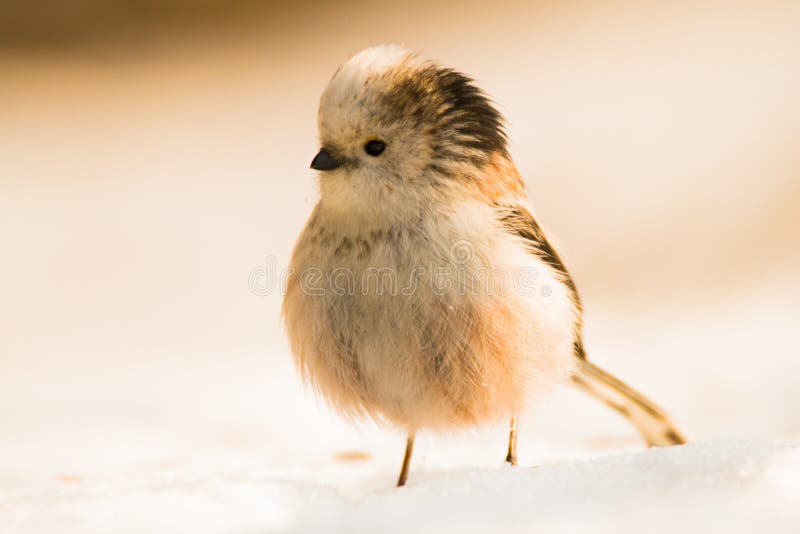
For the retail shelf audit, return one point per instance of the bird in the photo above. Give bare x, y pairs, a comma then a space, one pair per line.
422, 292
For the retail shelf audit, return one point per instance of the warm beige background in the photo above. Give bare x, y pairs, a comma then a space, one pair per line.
150, 160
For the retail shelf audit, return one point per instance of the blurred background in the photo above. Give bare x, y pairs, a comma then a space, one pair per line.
154, 154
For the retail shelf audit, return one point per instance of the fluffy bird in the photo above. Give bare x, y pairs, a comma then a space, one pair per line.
423, 292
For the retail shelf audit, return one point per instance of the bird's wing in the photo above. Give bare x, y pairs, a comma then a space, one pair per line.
651, 421
519, 221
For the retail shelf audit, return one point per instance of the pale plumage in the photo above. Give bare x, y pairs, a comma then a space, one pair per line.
424, 293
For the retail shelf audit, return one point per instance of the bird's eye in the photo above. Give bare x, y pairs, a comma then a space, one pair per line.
374, 147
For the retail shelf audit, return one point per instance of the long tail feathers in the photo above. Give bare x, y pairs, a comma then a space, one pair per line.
650, 420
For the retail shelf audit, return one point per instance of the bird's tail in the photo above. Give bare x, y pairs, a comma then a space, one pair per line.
650, 420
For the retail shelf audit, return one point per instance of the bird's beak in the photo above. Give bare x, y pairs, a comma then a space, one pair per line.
323, 161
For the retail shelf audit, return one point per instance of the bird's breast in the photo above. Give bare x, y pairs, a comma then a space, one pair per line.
418, 321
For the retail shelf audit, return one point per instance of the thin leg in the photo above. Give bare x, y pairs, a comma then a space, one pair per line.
511, 457
406, 460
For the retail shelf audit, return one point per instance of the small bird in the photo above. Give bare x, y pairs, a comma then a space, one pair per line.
423, 293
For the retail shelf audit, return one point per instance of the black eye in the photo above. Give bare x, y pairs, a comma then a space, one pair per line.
374, 148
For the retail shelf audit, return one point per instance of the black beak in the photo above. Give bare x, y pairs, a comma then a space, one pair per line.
324, 161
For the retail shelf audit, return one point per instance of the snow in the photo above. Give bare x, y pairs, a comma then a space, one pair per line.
706, 487
169, 447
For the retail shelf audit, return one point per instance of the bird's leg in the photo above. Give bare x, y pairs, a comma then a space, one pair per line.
511, 457
406, 460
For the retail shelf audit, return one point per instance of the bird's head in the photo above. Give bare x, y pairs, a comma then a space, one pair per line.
391, 123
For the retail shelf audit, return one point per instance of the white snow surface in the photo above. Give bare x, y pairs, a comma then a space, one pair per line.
704, 487
244, 449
